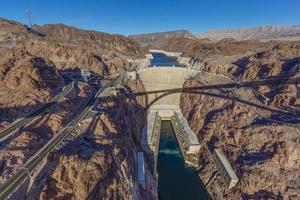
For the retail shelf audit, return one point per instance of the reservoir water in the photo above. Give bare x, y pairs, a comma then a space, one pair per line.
160, 59
176, 181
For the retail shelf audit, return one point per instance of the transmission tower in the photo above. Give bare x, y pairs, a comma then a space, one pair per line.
29, 17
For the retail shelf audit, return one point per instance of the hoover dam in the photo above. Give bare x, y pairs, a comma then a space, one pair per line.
168, 138
165, 122
89, 115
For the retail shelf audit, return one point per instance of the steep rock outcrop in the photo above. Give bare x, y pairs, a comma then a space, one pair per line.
100, 163
259, 138
25, 81
27, 140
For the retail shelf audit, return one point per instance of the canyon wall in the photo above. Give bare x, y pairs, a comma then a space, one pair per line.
98, 161
101, 161
36, 61
255, 126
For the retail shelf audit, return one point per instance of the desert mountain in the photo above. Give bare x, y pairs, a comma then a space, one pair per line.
260, 32
153, 38
28, 55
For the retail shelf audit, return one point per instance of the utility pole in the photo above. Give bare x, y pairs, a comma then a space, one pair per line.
29, 17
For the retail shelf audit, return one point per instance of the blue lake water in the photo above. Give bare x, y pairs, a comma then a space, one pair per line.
176, 181
160, 59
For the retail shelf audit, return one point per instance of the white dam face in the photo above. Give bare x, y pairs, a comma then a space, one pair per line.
164, 104
163, 78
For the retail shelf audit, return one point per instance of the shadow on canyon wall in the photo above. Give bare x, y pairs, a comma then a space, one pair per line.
287, 115
87, 140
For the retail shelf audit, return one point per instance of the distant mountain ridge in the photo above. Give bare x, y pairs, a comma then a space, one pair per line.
150, 38
182, 32
260, 32
154, 40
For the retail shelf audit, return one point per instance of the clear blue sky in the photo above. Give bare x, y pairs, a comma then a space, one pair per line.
141, 16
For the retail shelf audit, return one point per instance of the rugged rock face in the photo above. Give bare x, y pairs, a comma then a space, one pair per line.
72, 48
280, 62
153, 39
14, 155
25, 81
30, 67
70, 58
195, 52
11, 32
102, 43
100, 163
260, 137
16, 150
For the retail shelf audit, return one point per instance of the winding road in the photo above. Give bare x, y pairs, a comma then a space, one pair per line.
7, 132
14, 182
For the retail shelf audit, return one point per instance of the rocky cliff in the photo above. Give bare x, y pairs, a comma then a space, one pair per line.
34, 59
103, 42
151, 40
100, 162
71, 48
28, 139
256, 126
11, 32
25, 81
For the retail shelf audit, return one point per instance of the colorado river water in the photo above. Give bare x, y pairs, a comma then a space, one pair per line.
175, 180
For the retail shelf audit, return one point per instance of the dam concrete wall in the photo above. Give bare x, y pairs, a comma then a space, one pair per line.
163, 78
